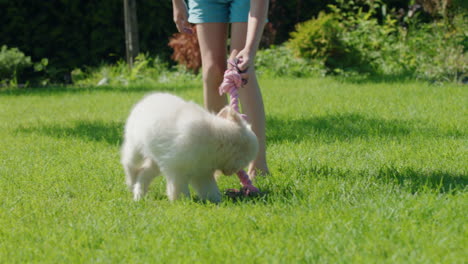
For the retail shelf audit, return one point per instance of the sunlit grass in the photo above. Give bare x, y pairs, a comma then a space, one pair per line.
361, 172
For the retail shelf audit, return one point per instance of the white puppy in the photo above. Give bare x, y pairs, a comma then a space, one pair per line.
167, 135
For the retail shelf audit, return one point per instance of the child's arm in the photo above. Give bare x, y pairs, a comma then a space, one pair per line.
180, 15
257, 17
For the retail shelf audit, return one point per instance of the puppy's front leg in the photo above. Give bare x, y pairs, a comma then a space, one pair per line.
148, 171
207, 189
131, 161
176, 187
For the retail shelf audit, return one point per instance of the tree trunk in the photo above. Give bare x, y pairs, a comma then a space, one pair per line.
131, 31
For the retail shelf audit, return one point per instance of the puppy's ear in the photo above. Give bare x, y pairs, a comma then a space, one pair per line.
224, 113
230, 114
235, 117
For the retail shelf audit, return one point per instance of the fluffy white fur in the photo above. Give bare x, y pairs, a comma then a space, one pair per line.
167, 135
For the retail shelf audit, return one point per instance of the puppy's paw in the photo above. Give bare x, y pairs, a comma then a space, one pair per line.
215, 198
138, 192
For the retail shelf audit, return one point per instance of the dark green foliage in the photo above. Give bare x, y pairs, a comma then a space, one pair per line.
367, 38
279, 61
320, 39
460, 4
12, 62
74, 33
284, 15
15, 66
316, 38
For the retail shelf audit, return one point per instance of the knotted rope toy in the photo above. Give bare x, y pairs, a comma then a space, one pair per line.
231, 83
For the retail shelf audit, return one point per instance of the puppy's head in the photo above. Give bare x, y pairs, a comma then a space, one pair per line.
243, 147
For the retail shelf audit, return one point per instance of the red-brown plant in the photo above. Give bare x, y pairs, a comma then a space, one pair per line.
186, 49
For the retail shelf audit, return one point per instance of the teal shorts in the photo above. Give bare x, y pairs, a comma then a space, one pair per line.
220, 11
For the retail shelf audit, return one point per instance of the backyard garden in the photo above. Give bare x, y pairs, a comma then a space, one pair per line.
367, 143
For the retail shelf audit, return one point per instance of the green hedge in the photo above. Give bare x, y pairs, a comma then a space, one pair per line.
353, 40
73, 33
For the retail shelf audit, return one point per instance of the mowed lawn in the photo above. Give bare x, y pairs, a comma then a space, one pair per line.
360, 173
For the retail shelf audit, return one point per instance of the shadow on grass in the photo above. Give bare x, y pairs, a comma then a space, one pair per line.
408, 179
239, 196
343, 127
418, 181
339, 127
333, 127
376, 78
52, 90
98, 131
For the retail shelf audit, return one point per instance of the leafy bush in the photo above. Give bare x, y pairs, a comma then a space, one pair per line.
317, 38
366, 40
344, 39
280, 61
146, 71
357, 38
186, 50
284, 15
435, 52
13, 63
72, 33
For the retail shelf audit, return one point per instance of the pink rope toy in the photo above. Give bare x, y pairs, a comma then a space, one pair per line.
231, 83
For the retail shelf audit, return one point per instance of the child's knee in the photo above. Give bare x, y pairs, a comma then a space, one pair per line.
213, 69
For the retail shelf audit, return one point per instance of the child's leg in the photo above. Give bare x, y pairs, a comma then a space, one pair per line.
252, 102
212, 39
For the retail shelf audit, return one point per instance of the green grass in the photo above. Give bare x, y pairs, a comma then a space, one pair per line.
361, 172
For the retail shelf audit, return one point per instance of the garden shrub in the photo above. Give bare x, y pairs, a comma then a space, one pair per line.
13, 63
117, 74
146, 71
77, 34
350, 37
371, 40
317, 38
368, 41
437, 51
284, 15
278, 61
186, 49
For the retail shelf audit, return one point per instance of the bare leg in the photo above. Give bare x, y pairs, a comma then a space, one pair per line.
252, 103
212, 38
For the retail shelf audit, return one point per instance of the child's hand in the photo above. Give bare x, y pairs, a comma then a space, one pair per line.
244, 57
240, 61
181, 17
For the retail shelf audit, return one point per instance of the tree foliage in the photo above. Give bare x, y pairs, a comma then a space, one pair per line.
76, 34
73, 33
